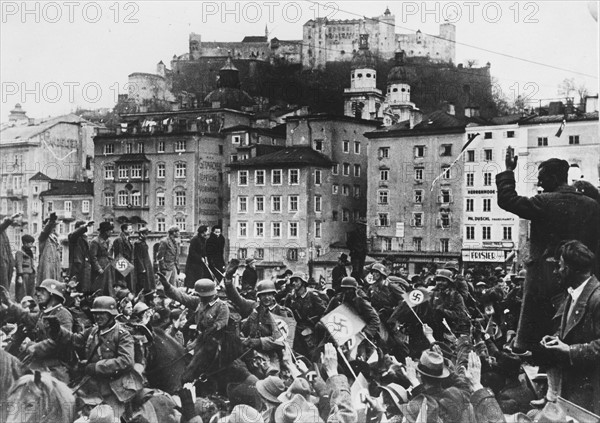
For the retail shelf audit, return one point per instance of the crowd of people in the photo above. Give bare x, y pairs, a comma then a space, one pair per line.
375, 344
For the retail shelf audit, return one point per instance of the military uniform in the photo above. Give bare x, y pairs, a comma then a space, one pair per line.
450, 305
46, 352
385, 295
307, 309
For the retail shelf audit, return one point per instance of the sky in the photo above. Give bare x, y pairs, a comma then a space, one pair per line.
57, 56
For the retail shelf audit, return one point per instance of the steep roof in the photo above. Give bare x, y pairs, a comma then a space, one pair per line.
70, 188
303, 156
254, 39
437, 122
20, 133
40, 177
132, 158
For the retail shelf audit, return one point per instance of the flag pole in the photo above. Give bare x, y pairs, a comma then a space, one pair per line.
339, 350
416, 315
470, 140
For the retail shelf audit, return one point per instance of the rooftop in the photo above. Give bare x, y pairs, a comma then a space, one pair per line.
535, 120
437, 122
69, 188
303, 156
20, 133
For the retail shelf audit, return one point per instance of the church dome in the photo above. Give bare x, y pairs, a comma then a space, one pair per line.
398, 74
363, 59
229, 98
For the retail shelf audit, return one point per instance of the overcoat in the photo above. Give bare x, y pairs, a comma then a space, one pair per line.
7, 261
79, 258
50, 262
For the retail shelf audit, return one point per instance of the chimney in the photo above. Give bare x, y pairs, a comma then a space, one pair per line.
556, 108
591, 104
471, 111
451, 109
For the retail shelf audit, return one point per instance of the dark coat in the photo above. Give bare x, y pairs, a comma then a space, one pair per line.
215, 249
362, 308
337, 274
249, 278
25, 266
100, 258
167, 255
50, 266
564, 214
144, 271
79, 258
195, 266
7, 261
581, 371
122, 247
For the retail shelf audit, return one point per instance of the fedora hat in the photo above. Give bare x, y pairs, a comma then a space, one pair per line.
105, 227
298, 386
270, 388
297, 410
552, 413
397, 393
432, 365
250, 260
244, 414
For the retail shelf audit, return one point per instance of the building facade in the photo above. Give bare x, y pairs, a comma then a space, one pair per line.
412, 221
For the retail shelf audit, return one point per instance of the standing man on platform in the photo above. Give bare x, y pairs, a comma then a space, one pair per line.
215, 249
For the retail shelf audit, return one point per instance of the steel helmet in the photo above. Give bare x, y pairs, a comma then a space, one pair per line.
378, 267
522, 274
451, 265
54, 287
349, 282
265, 286
140, 307
205, 287
105, 305
299, 275
444, 274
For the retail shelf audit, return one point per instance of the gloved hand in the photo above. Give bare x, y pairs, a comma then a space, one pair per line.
52, 326
31, 350
251, 342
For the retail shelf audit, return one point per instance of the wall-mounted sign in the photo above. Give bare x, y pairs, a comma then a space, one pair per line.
490, 256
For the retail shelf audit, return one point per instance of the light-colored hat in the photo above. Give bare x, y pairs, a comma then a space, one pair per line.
270, 388
397, 393
432, 364
298, 386
243, 413
297, 410
102, 413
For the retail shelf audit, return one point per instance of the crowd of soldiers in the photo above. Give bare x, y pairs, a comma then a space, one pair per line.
440, 346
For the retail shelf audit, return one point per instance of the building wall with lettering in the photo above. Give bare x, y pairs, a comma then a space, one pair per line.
484, 224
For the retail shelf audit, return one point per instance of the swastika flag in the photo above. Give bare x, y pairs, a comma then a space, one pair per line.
287, 328
123, 266
416, 297
342, 323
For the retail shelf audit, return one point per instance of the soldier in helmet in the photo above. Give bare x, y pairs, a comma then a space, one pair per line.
109, 355
43, 353
384, 294
449, 304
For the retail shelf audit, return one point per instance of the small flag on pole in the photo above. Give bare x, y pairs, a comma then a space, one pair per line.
415, 297
470, 139
562, 128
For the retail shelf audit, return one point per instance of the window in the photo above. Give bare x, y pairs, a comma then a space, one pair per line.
234, 158
181, 170
160, 199
383, 196
446, 172
386, 244
470, 232
317, 229
356, 170
128, 148
345, 189
293, 203
419, 174
335, 169
136, 171
122, 198
242, 229
109, 148
276, 229
276, 203
417, 220
293, 230
346, 145
487, 179
489, 154
345, 215
420, 151
444, 220
573, 139
85, 206
334, 188
319, 145
418, 196
418, 244
292, 254
487, 205
68, 206
446, 150
236, 139
109, 171
542, 141
276, 177
242, 204
510, 134
243, 178
334, 215
356, 191
161, 224
259, 229
346, 169
384, 152
444, 245
135, 198
259, 204
445, 196
507, 233
161, 171
259, 177
486, 232
180, 198
294, 176
123, 172
384, 175
317, 177
470, 179
470, 155
487, 135
470, 204
180, 145
220, 150
109, 199
318, 207
242, 253
160, 147
356, 147
383, 219
259, 253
